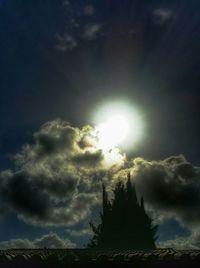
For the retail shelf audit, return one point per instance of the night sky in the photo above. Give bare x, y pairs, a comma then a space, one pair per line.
60, 62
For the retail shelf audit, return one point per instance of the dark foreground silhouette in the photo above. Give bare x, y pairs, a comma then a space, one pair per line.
124, 221
98, 258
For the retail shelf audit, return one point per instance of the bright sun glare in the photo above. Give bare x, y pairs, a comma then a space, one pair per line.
118, 125
113, 132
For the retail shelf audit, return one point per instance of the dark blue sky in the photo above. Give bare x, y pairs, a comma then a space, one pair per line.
61, 59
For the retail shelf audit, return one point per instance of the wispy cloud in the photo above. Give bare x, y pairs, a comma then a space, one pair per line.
79, 233
92, 30
162, 15
89, 10
66, 42
77, 29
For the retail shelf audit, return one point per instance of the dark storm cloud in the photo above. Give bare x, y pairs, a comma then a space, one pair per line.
51, 240
171, 187
45, 187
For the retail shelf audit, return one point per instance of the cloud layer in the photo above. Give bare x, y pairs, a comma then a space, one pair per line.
51, 240
57, 180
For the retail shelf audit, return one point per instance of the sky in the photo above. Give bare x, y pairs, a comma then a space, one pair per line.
60, 63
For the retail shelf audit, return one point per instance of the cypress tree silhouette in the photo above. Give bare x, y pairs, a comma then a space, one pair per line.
124, 222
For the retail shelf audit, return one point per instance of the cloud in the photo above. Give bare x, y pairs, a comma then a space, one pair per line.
51, 240
171, 187
66, 42
76, 29
188, 242
162, 15
92, 30
88, 159
89, 10
79, 233
57, 178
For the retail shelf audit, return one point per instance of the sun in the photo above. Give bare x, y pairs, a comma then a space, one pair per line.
113, 132
118, 125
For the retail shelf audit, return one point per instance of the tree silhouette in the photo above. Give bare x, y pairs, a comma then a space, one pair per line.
124, 222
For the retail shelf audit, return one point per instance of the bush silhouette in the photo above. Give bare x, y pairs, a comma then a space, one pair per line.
124, 222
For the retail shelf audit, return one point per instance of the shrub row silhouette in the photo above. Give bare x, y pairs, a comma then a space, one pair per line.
124, 222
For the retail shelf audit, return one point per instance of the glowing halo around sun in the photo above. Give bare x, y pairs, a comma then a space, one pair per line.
118, 126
